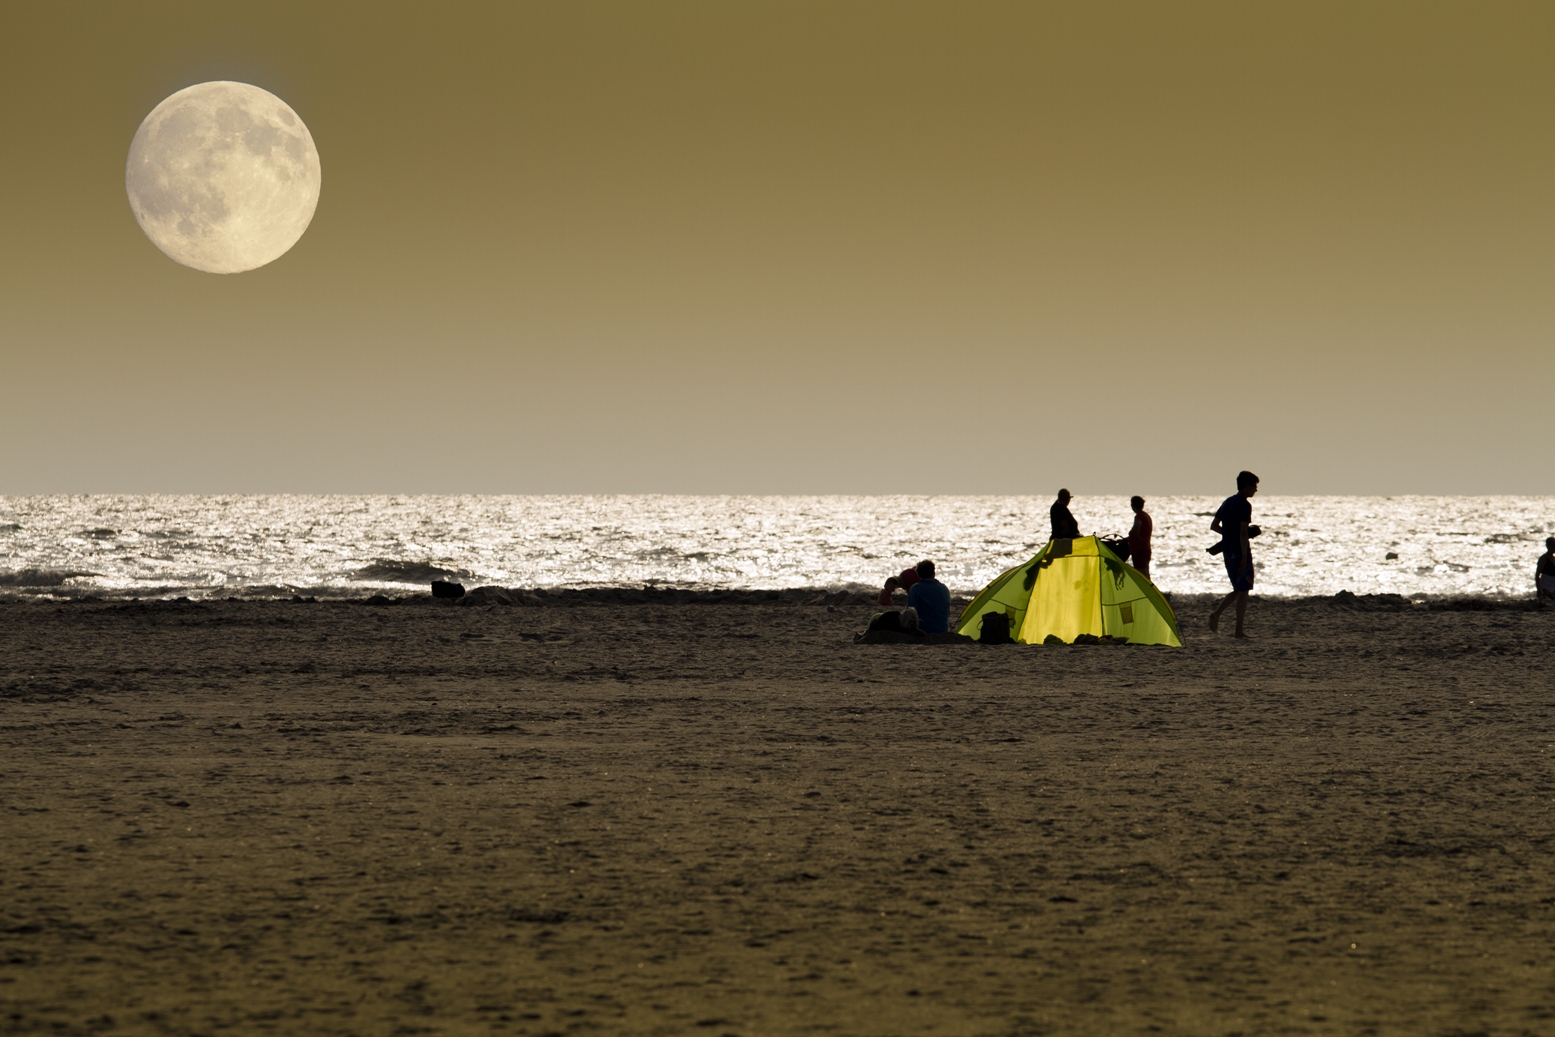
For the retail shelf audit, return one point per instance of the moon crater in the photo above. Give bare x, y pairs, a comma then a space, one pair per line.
223, 177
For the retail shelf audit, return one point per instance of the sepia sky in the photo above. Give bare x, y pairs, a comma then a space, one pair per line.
797, 247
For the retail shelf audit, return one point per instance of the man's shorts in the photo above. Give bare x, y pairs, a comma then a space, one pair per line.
1241, 579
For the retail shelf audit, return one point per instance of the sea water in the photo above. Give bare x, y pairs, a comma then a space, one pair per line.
279, 545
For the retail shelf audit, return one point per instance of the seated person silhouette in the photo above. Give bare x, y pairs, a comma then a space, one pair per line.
905, 580
931, 599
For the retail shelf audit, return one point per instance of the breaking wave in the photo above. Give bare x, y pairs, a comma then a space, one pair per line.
391, 570
40, 577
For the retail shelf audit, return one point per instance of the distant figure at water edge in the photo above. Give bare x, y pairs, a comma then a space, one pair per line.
1544, 574
1064, 525
905, 580
931, 599
1232, 522
1139, 536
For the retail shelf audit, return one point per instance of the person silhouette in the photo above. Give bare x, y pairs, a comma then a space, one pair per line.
1544, 573
931, 599
1231, 522
908, 577
1064, 525
1139, 537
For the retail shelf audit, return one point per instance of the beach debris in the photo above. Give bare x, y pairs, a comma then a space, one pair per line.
447, 589
891, 637
541, 916
486, 596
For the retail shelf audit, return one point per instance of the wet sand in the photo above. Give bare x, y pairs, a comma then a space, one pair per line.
587, 815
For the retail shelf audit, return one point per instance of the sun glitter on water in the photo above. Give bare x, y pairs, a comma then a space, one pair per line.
348, 545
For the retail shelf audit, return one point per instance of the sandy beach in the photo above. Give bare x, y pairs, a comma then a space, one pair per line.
664, 814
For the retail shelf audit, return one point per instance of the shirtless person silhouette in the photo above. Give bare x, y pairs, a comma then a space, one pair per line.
1139, 537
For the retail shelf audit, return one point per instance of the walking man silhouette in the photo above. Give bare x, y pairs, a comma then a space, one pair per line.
1231, 522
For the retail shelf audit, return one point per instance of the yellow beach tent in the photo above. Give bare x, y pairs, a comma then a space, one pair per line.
1075, 587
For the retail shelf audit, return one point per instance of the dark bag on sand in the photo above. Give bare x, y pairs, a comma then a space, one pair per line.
995, 629
891, 623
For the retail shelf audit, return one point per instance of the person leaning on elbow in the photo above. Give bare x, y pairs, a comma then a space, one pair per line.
904, 581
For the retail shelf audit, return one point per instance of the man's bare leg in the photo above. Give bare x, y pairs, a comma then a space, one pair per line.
1241, 612
1214, 617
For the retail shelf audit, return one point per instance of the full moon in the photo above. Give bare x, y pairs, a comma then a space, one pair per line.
223, 177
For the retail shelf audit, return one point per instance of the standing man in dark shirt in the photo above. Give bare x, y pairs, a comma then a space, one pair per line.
1231, 522
1064, 525
931, 599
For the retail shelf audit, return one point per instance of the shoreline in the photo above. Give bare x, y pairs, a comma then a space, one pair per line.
542, 597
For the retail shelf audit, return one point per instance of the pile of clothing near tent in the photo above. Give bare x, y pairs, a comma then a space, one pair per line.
1073, 590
